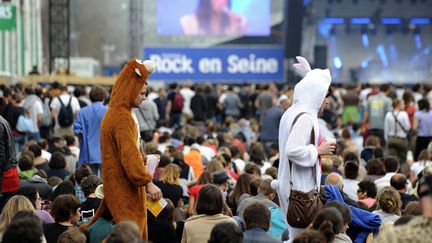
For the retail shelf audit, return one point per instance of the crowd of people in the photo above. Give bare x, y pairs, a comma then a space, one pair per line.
220, 157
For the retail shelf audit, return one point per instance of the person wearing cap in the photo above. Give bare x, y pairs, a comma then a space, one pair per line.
220, 179
310, 98
418, 229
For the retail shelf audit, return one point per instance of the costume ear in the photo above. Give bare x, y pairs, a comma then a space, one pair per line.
137, 71
149, 65
303, 66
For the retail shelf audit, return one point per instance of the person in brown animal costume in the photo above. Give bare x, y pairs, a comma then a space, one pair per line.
126, 182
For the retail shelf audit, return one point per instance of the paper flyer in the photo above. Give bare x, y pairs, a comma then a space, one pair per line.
156, 206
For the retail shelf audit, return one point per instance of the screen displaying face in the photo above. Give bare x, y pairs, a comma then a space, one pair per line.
214, 17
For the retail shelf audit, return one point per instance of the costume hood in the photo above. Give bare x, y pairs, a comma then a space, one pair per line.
130, 81
310, 92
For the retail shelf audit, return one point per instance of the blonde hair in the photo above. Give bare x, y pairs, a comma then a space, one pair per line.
14, 205
171, 174
389, 200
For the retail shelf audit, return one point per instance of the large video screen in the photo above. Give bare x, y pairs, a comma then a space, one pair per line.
214, 17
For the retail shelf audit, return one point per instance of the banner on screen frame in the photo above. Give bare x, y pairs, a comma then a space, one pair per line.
217, 64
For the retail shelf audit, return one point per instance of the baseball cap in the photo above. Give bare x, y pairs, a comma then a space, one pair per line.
220, 177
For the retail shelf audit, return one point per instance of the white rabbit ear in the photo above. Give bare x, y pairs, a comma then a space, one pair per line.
303, 66
303, 62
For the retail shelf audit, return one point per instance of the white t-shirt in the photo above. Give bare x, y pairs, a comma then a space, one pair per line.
35, 110
187, 95
350, 188
55, 104
418, 166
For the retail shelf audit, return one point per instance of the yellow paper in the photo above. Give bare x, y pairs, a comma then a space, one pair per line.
156, 206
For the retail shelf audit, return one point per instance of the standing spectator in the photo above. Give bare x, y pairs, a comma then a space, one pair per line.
187, 94
80, 94
257, 220
148, 117
198, 105
396, 130
423, 160
211, 103
87, 128
377, 107
209, 207
61, 107
264, 102
297, 143
270, 125
9, 180
174, 106
160, 102
232, 103
400, 183
66, 212
422, 126
366, 193
33, 105
410, 106
13, 112
351, 104
245, 94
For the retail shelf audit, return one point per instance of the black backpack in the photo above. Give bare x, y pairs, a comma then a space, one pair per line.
65, 116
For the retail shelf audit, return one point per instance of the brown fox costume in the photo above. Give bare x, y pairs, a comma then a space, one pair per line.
123, 168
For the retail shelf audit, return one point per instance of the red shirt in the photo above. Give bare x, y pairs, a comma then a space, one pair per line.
193, 191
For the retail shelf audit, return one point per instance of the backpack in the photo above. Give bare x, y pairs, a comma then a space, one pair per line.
178, 102
65, 116
46, 115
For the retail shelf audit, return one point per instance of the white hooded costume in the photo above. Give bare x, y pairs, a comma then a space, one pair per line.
294, 143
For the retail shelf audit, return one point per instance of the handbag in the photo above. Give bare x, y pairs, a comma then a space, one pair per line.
303, 206
24, 124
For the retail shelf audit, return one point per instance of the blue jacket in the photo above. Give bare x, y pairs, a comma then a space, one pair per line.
88, 125
363, 222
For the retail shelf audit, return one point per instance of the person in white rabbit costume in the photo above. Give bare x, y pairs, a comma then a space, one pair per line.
310, 98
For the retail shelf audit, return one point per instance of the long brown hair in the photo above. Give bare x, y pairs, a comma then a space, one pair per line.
242, 186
